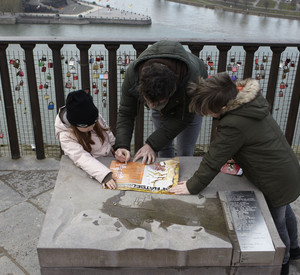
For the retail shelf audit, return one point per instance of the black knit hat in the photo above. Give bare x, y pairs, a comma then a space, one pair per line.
81, 111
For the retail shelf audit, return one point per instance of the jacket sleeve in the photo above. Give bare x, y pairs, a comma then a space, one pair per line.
82, 158
127, 113
227, 142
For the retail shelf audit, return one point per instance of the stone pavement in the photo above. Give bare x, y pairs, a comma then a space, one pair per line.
26, 187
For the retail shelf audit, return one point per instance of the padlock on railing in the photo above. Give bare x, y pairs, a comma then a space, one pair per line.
50, 64
44, 58
46, 96
17, 63
46, 85
20, 73
71, 61
69, 84
48, 77
51, 105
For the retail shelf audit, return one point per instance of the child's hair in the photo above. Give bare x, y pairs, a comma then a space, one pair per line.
211, 94
85, 140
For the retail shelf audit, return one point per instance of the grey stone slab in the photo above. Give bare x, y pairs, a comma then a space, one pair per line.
168, 231
28, 163
19, 233
42, 200
86, 226
8, 267
165, 271
8, 196
30, 183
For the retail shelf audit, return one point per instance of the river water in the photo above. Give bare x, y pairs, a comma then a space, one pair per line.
173, 21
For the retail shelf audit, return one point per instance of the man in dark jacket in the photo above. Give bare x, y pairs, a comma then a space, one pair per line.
158, 78
248, 133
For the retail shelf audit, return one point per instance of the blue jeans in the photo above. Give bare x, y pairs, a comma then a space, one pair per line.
286, 224
185, 140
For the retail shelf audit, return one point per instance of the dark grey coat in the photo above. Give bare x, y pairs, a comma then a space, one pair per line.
248, 133
177, 108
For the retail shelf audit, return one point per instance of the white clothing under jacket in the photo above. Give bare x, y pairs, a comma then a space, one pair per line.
81, 158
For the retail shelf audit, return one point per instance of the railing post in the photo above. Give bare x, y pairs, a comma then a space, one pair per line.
34, 101
113, 85
84, 65
8, 104
58, 75
222, 62
139, 121
196, 49
294, 107
248, 68
273, 76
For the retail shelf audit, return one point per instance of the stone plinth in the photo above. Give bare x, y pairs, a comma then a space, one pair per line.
88, 230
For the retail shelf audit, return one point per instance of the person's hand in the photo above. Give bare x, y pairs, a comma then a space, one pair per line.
110, 184
122, 155
147, 153
180, 189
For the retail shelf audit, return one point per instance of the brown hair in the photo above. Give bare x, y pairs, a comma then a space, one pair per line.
85, 140
211, 94
156, 82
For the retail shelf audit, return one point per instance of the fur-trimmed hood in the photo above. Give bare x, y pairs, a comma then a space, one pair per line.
249, 101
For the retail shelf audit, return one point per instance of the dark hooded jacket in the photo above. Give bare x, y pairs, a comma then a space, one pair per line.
171, 54
248, 133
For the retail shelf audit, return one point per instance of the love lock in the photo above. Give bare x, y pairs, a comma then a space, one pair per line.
17, 63
51, 105
104, 103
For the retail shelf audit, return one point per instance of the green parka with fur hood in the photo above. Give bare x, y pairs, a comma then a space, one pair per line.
248, 133
177, 107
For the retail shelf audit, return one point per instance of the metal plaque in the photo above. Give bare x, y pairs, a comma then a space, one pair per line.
248, 221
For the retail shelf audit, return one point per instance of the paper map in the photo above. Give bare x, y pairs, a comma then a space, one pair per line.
155, 178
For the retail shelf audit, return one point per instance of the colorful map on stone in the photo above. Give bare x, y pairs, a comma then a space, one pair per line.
157, 177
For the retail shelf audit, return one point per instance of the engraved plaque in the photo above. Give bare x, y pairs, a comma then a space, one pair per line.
251, 229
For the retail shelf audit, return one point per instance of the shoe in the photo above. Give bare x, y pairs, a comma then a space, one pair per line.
295, 253
285, 269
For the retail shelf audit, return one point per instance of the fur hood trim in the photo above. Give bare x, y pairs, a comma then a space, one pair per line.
249, 92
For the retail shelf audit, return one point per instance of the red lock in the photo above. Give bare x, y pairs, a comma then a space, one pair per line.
44, 69
75, 77
98, 58
20, 73
1, 135
96, 91
282, 85
41, 86
280, 93
94, 85
12, 61
50, 65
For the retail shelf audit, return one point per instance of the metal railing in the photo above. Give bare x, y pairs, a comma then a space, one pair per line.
37, 74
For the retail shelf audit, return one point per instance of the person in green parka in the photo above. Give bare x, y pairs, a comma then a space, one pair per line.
158, 79
249, 135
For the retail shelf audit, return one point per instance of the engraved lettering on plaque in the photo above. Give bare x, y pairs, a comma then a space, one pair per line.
248, 221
